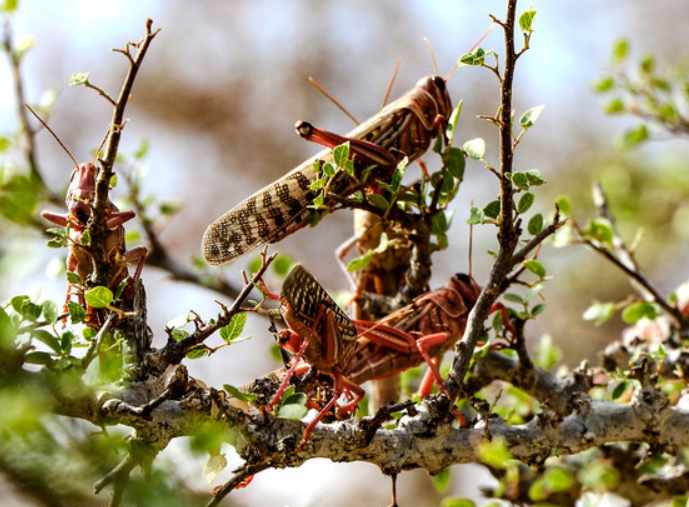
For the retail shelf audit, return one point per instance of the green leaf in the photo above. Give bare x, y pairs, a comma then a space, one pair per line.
600, 230
85, 238
66, 341
89, 333
442, 480
240, 395
73, 278
50, 311
142, 149
476, 216
535, 267
514, 298
633, 137
532, 292
525, 202
456, 163
318, 184
378, 201
622, 387
637, 311
599, 312
475, 58
341, 154
620, 50
492, 209
564, 205
231, 331
99, 297
282, 264
45, 337
475, 148
526, 20
452, 123
598, 476
169, 208
41, 358
440, 223
614, 106
530, 117
360, 262
9, 6
457, 502
77, 313
535, 225
255, 264
293, 407
495, 454
604, 84
534, 177
520, 180
647, 64
197, 353
26, 308
79, 78
538, 309
7, 331
397, 175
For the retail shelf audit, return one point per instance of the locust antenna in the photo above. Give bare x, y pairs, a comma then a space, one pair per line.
430, 51
340, 106
76, 164
392, 81
456, 65
471, 244
105, 138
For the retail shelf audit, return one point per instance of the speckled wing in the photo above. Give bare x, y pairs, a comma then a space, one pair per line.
266, 217
305, 295
276, 211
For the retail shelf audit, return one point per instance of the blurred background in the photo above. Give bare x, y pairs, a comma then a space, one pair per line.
217, 98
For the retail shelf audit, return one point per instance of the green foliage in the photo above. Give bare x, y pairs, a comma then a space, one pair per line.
230, 333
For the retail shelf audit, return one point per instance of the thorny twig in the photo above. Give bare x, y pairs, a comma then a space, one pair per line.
624, 259
508, 233
240, 477
97, 226
174, 351
30, 134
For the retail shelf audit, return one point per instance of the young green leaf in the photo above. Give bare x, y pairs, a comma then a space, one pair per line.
231, 331
360, 262
599, 312
494, 453
535, 267
79, 78
99, 297
476, 216
526, 20
475, 148
341, 154
530, 117
456, 162
240, 395
535, 225
525, 202
637, 311
492, 209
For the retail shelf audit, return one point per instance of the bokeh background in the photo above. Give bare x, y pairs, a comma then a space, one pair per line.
217, 98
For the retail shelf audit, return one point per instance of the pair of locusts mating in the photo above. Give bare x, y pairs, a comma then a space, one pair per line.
319, 332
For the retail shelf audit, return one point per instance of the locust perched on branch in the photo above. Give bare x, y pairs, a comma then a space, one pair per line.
405, 127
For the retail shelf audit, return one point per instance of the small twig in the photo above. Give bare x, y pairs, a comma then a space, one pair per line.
175, 351
30, 133
97, 226
245, 473
371, 425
